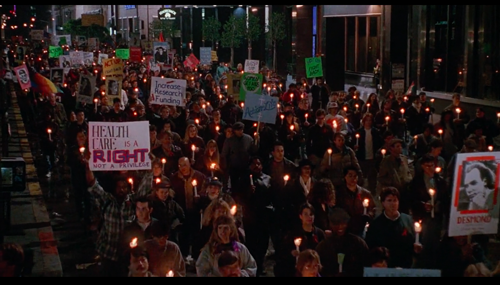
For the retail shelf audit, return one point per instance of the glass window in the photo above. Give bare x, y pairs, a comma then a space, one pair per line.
362, 51
350, 44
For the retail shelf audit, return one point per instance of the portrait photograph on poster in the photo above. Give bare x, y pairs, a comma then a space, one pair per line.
57, 75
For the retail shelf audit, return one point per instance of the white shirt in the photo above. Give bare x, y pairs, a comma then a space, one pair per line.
368, 145
123, 100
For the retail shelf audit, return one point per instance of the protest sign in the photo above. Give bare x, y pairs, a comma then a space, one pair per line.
214, 56
88, 58
260, 108
400, 272
112, 67
81, 41
314, 67
160, 51
102, 56
147, 46
251, 66
64, 61
206, 55
168, 91
55, 51
113, 88
119, 146
233, 84
475, 207
57, 75
123, 53
152, 64
250, 83
23, 76
36, 35
192, 61
135, 54
61, 40
76, 58
85, 91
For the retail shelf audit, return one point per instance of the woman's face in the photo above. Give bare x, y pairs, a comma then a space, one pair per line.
339, 142
330, 199
306, 170
213, 190
307, 217
81, 138
193, 132
289, 119
224, 233
72, 117
229, 132
311, 269
157, 169
212, 148
162, 194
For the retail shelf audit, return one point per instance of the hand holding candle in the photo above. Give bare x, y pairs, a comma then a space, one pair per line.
458, 113
418, 230
282, 117
366, 203
251, 180
49, 131
340, 260
432, 192
357, 139
383, 151
286, 178
131, 182
297, 243
402, 113
387, 118
163, 162
195, 183
170, 274
133, 243
212, 168
329, 156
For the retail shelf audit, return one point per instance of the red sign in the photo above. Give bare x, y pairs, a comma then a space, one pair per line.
191, 62
135, 54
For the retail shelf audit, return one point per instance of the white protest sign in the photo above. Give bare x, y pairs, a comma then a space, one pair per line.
36, 35
168, 91
400, 272
475, 200
88, 58
206, 55
102, 56
252, 66
119, 146
76, 58
260, 108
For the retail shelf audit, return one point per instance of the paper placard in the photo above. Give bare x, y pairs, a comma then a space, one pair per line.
123, 53
314, 67
206, 55
119, 146
261, 108
251, 66
85, 91
168, 91
250, 83
76, 58
55, 51
112, 67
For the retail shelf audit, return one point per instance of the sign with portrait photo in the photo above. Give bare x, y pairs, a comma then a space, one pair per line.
101, 58
86, 87
23, 76
233, 85
119, 146
64, 61
160, 50
113, 88
20, 54
88, 58
57, 75
475, 195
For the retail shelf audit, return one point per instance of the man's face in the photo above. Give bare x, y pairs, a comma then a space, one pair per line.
238, 133
184, 167
143, 212
397, 148
338, 228
162, 194
232, 270
351, 177
138, 265
162, 241
166, 140
23, 76
429, 168
473, 184
52, 98
320, 119
278, 153
256, 166
479, 114
391, 203
213, 190
456, 101
368, 122
121, 189
216, 116
80, 117
306, 170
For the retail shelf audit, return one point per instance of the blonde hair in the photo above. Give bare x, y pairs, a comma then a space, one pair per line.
216, 153
477, 270
186, 135
306, 257
214, 240
209, 213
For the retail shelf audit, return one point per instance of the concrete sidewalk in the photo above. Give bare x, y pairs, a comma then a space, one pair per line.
30, 221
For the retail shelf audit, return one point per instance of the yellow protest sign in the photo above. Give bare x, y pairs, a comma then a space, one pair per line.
112, 67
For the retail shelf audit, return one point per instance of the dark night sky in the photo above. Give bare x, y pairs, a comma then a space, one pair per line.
24, 14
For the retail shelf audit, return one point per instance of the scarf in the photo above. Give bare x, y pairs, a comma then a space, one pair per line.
306, 186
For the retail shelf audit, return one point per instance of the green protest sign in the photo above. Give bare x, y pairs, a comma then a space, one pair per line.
55, 51
314, 67
123, 53
250, 83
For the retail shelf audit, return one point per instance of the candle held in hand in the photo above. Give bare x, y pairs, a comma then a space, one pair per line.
402, 113
490, 148
330, 156
49, 131
432, 192
366, 203
383, 151
133, 243
440, 132
251, 180
170, 274
438, 169
418, 230
297, 243
234, 210
286, 178
131, 182
193, 148
212, 168
357, 139
82, 150
195, 183
163, 162
458, 113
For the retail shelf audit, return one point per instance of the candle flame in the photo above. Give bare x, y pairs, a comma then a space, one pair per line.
418, 227
131, 181
498, 115
286, 177
49, 131
133, 243
158, 180
357, 136
402, 110
217, 128
292, 127
297, 241
195, 183
242, 104
438, 169
193, 147
330, 151
170, 274
282, 116
427, 109
440, 131
96, 100
387, 118
366, 202
432, 100
163, 160
234, 209
307, 115
345, 109
82, 150
197, 121
432, 192
383, 151
458, 110
212, 166
490, 148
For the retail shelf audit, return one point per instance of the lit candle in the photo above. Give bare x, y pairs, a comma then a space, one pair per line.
291, 96
269, 91
49, 131
297, 243
367, 107
440, 132
145, 80
193, 148
133, 243
402, 113
334, 123
490, 148
242, 104
330, 156
357, 107
158, 180
366, 203
458, 112
367, 225
234, 210
345, 109
415, 138
427, 109
212, 168
438, 169
306, 116
264, 85
340, 260
225, 87
432, 101
346, 120
387, 118
194, 183
170, 274
418, 229
251, 180
95, 104
197, 121
286, 178
282, 117
82, 150
292, 127
432, 192
383, 151
357, 139
217, 128
163, 162
131, 181
498, 118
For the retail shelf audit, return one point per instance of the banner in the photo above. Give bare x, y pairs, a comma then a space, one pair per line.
250, 83
314, 67
55, 51
112, 67
92, 19
86, 87
76, 58
64, 61
20, 54
168, 91
113, 88
88, 58
23, 76
147, 46
474, 207
123, 53
160, 51
261, 108
400, 272
152, 64
36, 35
135, 54
206, 55
119, 146
251, 66
102, 56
